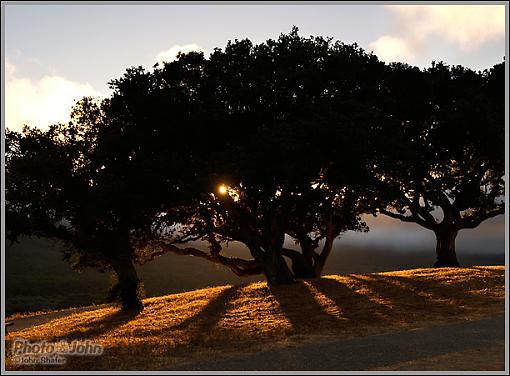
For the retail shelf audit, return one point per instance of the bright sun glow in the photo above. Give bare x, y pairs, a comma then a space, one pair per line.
222, 189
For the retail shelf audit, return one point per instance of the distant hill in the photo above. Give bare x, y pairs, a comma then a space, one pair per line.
38, 279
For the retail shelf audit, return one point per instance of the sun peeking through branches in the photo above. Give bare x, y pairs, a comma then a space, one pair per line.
224, 190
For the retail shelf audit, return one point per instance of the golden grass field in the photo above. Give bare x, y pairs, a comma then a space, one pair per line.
221, 321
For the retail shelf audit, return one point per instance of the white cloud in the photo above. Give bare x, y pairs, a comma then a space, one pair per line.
390, 49
40, 103
466, 26
10, 69
170, 54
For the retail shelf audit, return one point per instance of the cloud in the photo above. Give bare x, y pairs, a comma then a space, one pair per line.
467, 27
40, 103
389, 49
170, 54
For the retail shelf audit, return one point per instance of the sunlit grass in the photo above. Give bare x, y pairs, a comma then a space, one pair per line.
180, 328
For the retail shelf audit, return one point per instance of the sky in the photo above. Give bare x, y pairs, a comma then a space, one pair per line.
56, 54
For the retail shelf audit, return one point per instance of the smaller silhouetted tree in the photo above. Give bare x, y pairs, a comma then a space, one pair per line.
439, 155
52, 191
90, 183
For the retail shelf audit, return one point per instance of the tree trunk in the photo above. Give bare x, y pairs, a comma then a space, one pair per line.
128, 284
273, 265
326, 251
276, 271
301, 262
303, 267
445, 248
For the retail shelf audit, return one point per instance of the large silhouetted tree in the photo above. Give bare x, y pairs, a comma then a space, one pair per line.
266, 117
439, 158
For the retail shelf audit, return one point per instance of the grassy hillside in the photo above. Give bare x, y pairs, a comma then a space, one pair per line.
180, 328
38, 279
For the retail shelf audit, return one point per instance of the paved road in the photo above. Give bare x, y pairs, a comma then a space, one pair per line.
369, 352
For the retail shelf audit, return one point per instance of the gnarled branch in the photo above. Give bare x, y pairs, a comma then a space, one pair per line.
475, 221
291, 253
407, 218
239, 266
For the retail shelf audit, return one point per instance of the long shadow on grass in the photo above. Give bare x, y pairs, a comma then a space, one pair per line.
204, 322
444, 291
406, 296
354, 305
494, 272
301, 308
96, 327
199, 329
